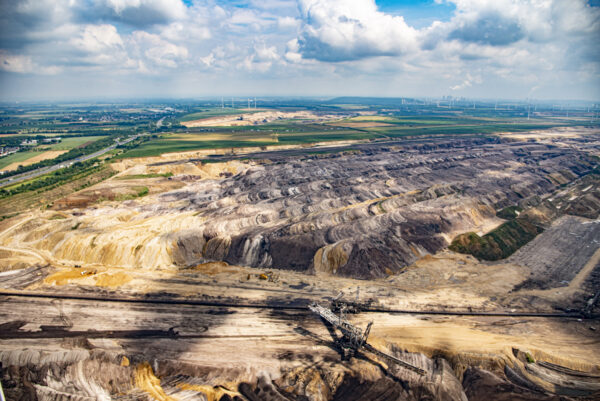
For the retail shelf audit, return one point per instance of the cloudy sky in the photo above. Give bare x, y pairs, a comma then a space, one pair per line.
193, 48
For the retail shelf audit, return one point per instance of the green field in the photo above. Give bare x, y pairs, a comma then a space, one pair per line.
400, 120
103, 122
294, 133
483, 129
70, 143
158, 147
65, 144
241, 138
17, 158
420, 121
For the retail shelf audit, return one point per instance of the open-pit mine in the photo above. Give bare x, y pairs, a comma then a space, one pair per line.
189, 276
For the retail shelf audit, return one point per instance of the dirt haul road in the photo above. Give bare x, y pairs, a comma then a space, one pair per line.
243, 345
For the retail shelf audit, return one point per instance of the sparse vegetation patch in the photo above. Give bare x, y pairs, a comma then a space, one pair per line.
499, 243
509, 213
142, 176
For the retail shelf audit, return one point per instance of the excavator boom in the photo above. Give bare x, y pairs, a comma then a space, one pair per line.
354, 339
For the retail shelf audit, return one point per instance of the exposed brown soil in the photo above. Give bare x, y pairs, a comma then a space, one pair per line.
219, 233
27, 201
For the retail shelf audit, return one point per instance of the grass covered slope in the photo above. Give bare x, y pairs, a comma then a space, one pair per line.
499, 243
579, 198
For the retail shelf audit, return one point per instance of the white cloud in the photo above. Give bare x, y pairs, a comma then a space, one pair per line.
292, 52
288, 23
264, 53
468, 82
483, 47
534, 20
135, 12
209, 60
15, 63
338, 30
180, 31
97, 45
23, 64
157, 50
242, 20
98, 38
261, 59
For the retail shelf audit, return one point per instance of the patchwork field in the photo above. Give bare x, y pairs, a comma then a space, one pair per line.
171, 143
44, 152
37, 157
16, 159
70, 143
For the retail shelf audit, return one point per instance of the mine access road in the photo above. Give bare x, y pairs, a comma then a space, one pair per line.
299, 304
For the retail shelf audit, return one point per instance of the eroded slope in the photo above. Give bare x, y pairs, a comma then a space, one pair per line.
366, 213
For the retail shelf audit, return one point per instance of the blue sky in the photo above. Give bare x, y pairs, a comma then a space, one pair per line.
194, 48
418, 13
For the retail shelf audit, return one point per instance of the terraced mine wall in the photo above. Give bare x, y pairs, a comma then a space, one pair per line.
371, 214
365, 214
581, 198
560, 253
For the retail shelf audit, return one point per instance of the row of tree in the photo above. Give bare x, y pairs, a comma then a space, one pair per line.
53, 179
70, 155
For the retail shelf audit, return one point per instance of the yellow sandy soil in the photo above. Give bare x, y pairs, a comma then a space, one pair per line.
212, 268
204, 171
13, 259
211, 393
63, 277
51, 154
113, 280
88, 276
470, 342
559, 132
148, 382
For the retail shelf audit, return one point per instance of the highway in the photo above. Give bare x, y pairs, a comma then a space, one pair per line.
45, 170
